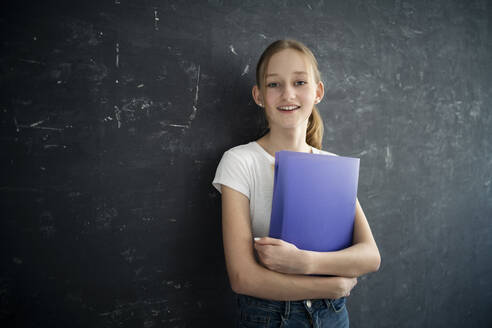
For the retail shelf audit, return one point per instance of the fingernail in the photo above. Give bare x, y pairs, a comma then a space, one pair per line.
257, 238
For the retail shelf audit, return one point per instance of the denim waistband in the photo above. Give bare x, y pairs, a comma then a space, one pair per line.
290, 306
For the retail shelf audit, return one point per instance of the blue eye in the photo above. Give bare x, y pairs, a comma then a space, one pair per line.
272, 84
301, 82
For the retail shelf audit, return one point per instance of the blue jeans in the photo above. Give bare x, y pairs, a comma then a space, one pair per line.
319, 313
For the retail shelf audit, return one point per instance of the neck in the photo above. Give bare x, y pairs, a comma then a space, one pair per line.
293, 140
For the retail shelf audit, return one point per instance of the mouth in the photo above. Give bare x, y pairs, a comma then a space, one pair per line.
289, 108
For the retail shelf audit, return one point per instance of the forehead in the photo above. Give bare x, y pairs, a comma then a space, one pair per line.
287, 62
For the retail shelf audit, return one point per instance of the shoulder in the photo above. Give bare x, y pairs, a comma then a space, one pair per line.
245, 153
245, 149
238, 158
234, 170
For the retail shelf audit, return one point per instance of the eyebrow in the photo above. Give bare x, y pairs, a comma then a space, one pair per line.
296, 73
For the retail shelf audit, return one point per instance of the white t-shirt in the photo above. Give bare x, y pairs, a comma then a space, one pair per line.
249, 169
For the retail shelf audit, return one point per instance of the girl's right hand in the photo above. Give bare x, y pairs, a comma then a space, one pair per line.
345, 285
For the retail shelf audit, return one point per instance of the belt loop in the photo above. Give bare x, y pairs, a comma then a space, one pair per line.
327, 302
287, 310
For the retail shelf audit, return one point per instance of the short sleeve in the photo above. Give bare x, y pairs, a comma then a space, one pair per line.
233, 173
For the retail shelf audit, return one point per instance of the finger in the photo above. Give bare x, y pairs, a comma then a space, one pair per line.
268, 241
260, 248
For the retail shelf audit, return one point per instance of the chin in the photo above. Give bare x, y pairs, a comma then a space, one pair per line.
299, 125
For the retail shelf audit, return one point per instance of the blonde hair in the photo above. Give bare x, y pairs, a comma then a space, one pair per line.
314, 132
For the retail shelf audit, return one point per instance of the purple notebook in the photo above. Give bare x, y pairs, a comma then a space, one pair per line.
314, 197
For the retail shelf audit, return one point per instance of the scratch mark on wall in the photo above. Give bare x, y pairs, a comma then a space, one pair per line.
31, 61
179, 125
117, 56
16, 124
373, 194
54, 146
388, 158
156, 20
246, 70
176, 284
409, 32
132, 306
36, 124
195, 102
117, 114
197, 84
232, 49
39, 127
192, 115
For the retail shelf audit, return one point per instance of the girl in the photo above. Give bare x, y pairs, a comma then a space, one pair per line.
275, 282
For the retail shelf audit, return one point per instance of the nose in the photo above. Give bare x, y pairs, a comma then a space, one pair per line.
289, 92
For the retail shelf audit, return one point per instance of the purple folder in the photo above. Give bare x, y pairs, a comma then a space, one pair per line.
314, 197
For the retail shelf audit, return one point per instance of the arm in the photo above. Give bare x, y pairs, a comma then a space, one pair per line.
249, 277
360, 258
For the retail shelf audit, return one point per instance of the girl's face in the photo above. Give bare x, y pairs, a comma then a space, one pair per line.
290, 90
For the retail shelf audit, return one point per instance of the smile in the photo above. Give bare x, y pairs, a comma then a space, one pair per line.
288, 108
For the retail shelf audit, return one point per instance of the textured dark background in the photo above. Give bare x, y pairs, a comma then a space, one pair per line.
114, 115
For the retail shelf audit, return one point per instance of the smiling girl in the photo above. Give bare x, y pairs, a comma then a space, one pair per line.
276, 283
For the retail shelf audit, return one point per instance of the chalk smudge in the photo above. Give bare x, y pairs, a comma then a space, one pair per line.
246, 70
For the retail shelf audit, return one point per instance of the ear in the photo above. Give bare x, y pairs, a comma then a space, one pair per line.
257, 96
320, 92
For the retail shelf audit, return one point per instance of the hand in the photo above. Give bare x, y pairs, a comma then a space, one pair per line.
345, 286
281, 256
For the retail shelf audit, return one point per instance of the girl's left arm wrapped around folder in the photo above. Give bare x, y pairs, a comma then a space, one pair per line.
360, 258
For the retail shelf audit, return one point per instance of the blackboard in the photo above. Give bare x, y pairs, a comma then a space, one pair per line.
114, 115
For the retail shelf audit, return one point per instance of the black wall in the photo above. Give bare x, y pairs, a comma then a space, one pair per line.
114, 115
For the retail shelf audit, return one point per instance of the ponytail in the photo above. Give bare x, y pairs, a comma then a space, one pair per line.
314, 132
